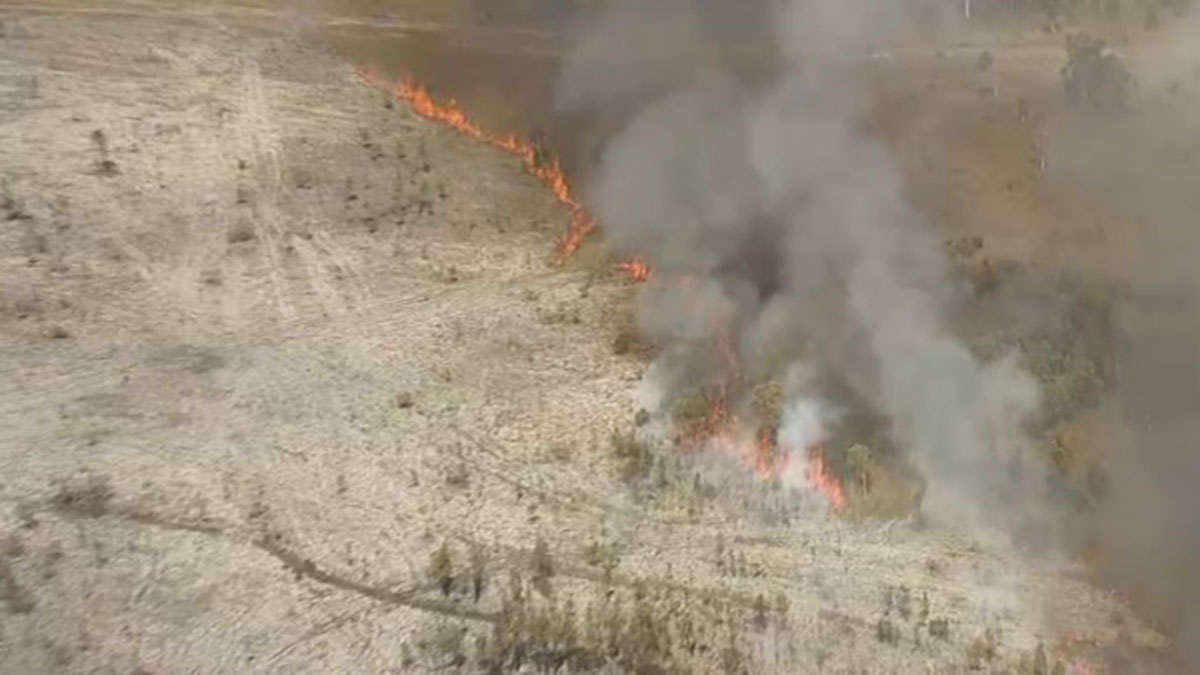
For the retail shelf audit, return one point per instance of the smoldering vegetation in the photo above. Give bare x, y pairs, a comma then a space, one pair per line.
779, 231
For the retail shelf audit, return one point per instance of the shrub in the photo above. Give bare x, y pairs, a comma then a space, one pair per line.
88, 497
887, 632
635, 458
542, 567
441, 569
939, 628
1069, 381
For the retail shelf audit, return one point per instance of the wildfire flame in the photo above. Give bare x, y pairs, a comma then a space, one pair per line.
636, 269
820, 477
722, 430
720, 427
537, 163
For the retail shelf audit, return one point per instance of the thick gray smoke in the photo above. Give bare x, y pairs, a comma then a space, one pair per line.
1141, 168
789, 229
767, 213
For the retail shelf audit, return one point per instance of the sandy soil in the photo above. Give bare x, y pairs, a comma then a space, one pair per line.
267, 341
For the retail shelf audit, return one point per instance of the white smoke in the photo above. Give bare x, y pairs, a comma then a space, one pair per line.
803, 428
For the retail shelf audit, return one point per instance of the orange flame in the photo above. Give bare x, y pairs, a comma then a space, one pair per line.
537, 163
724, 431
767, 461
636, 269
821, 478
719, 425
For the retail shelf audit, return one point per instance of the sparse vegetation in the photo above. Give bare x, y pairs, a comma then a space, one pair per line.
690, 410
603, 556
479, 569
767, 401
405, 400
645, 595
241, 232
627, 338
639, 633
634, 457
1069, 381
90, 496
458, 476
541, 567
939, 628
11, 207
877, 485
441, 569
887, 632
12, 594
105, 166
983, 649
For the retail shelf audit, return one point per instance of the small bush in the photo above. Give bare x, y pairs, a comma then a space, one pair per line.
15, 597
542, 567
691, 411
636, 460
983, 650
603, 556
1069, 381
90, 497
441, 569
240, 233
887, 632
478, 572
767, 400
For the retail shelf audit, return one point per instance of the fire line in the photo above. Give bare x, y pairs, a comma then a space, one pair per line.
723, 427
548, 171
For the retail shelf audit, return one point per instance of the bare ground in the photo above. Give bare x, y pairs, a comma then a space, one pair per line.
267, 341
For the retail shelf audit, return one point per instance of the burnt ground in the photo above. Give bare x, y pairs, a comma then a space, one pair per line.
269, 343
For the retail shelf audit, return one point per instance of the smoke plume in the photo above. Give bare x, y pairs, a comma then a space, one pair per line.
767, 212
772, 218
1141, 169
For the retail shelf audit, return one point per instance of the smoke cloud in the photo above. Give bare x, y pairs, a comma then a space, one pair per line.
772, 218
766, 212
1141, 169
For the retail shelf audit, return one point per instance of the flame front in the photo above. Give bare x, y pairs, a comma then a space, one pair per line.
721, 427
820, 477
537, 163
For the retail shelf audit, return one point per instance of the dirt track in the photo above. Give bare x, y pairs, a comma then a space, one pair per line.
267, 340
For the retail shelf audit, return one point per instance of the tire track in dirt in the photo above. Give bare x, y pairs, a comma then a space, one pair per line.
302, 567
